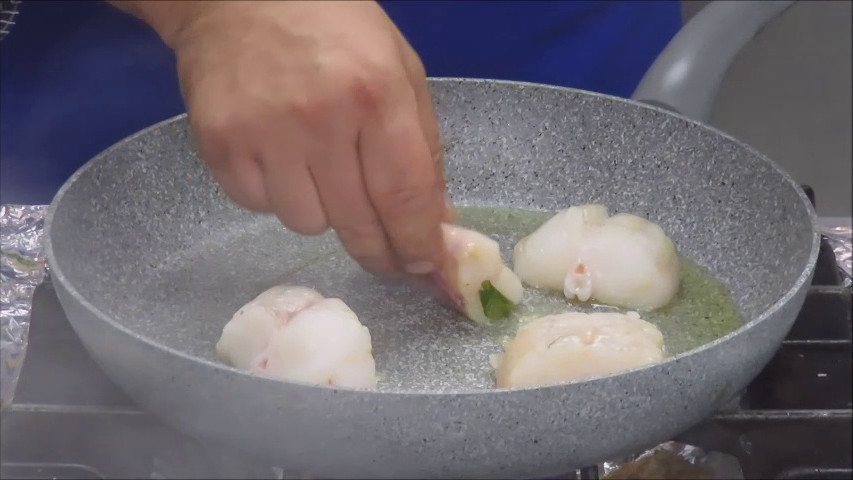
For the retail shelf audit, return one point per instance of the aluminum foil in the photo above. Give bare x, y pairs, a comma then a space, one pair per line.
840, 239
673, 460
22, 269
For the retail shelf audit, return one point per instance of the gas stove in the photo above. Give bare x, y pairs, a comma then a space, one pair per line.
70, 421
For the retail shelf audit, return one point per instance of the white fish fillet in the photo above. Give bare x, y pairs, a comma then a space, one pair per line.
293, 333
475, 258
576, 346
621, 260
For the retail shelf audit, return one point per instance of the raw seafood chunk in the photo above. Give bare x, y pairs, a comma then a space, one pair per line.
247, 335
621, 260
475, 278
294, 333
575, 346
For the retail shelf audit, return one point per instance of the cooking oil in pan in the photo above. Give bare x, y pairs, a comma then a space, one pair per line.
701, 312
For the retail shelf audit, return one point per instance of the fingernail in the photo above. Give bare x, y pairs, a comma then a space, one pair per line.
420, 268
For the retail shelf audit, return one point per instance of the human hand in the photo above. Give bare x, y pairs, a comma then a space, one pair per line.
318, 112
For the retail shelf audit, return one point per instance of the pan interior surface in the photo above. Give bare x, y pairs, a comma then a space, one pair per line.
146, 237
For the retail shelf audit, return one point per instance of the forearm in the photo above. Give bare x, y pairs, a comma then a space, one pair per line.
166, 17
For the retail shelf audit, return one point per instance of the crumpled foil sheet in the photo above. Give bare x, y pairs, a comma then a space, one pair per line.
840, 239
673, 460
22, 269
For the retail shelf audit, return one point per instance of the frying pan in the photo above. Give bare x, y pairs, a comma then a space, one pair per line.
150, 259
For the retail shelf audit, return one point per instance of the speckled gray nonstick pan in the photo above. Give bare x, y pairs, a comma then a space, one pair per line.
150, 260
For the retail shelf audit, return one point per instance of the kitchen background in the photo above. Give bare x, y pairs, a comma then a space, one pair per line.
788, 95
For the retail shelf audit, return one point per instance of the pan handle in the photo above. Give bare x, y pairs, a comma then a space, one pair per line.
686, 76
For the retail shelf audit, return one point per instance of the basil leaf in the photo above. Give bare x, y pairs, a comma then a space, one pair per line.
495, 304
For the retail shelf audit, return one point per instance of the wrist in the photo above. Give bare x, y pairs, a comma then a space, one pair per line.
167, 17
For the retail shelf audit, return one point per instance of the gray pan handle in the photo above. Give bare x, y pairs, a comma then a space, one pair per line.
686, 76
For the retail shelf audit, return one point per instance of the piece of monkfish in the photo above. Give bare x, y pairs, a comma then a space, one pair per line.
575, 346
293, 333
621, 260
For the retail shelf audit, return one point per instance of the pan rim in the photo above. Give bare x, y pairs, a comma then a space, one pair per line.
799, 283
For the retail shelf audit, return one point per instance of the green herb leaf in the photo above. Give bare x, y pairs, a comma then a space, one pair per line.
495, 304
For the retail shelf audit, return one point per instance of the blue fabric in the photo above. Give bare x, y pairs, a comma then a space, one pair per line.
78, 76
595, 45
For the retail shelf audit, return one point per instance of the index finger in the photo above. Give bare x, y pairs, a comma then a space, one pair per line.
426, 114
403, 184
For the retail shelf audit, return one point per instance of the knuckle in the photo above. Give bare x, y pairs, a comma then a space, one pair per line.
362, 239
220, 123
216, 136
360, 230
404, 200
365, 242
372, 82
418, 253
313, 107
